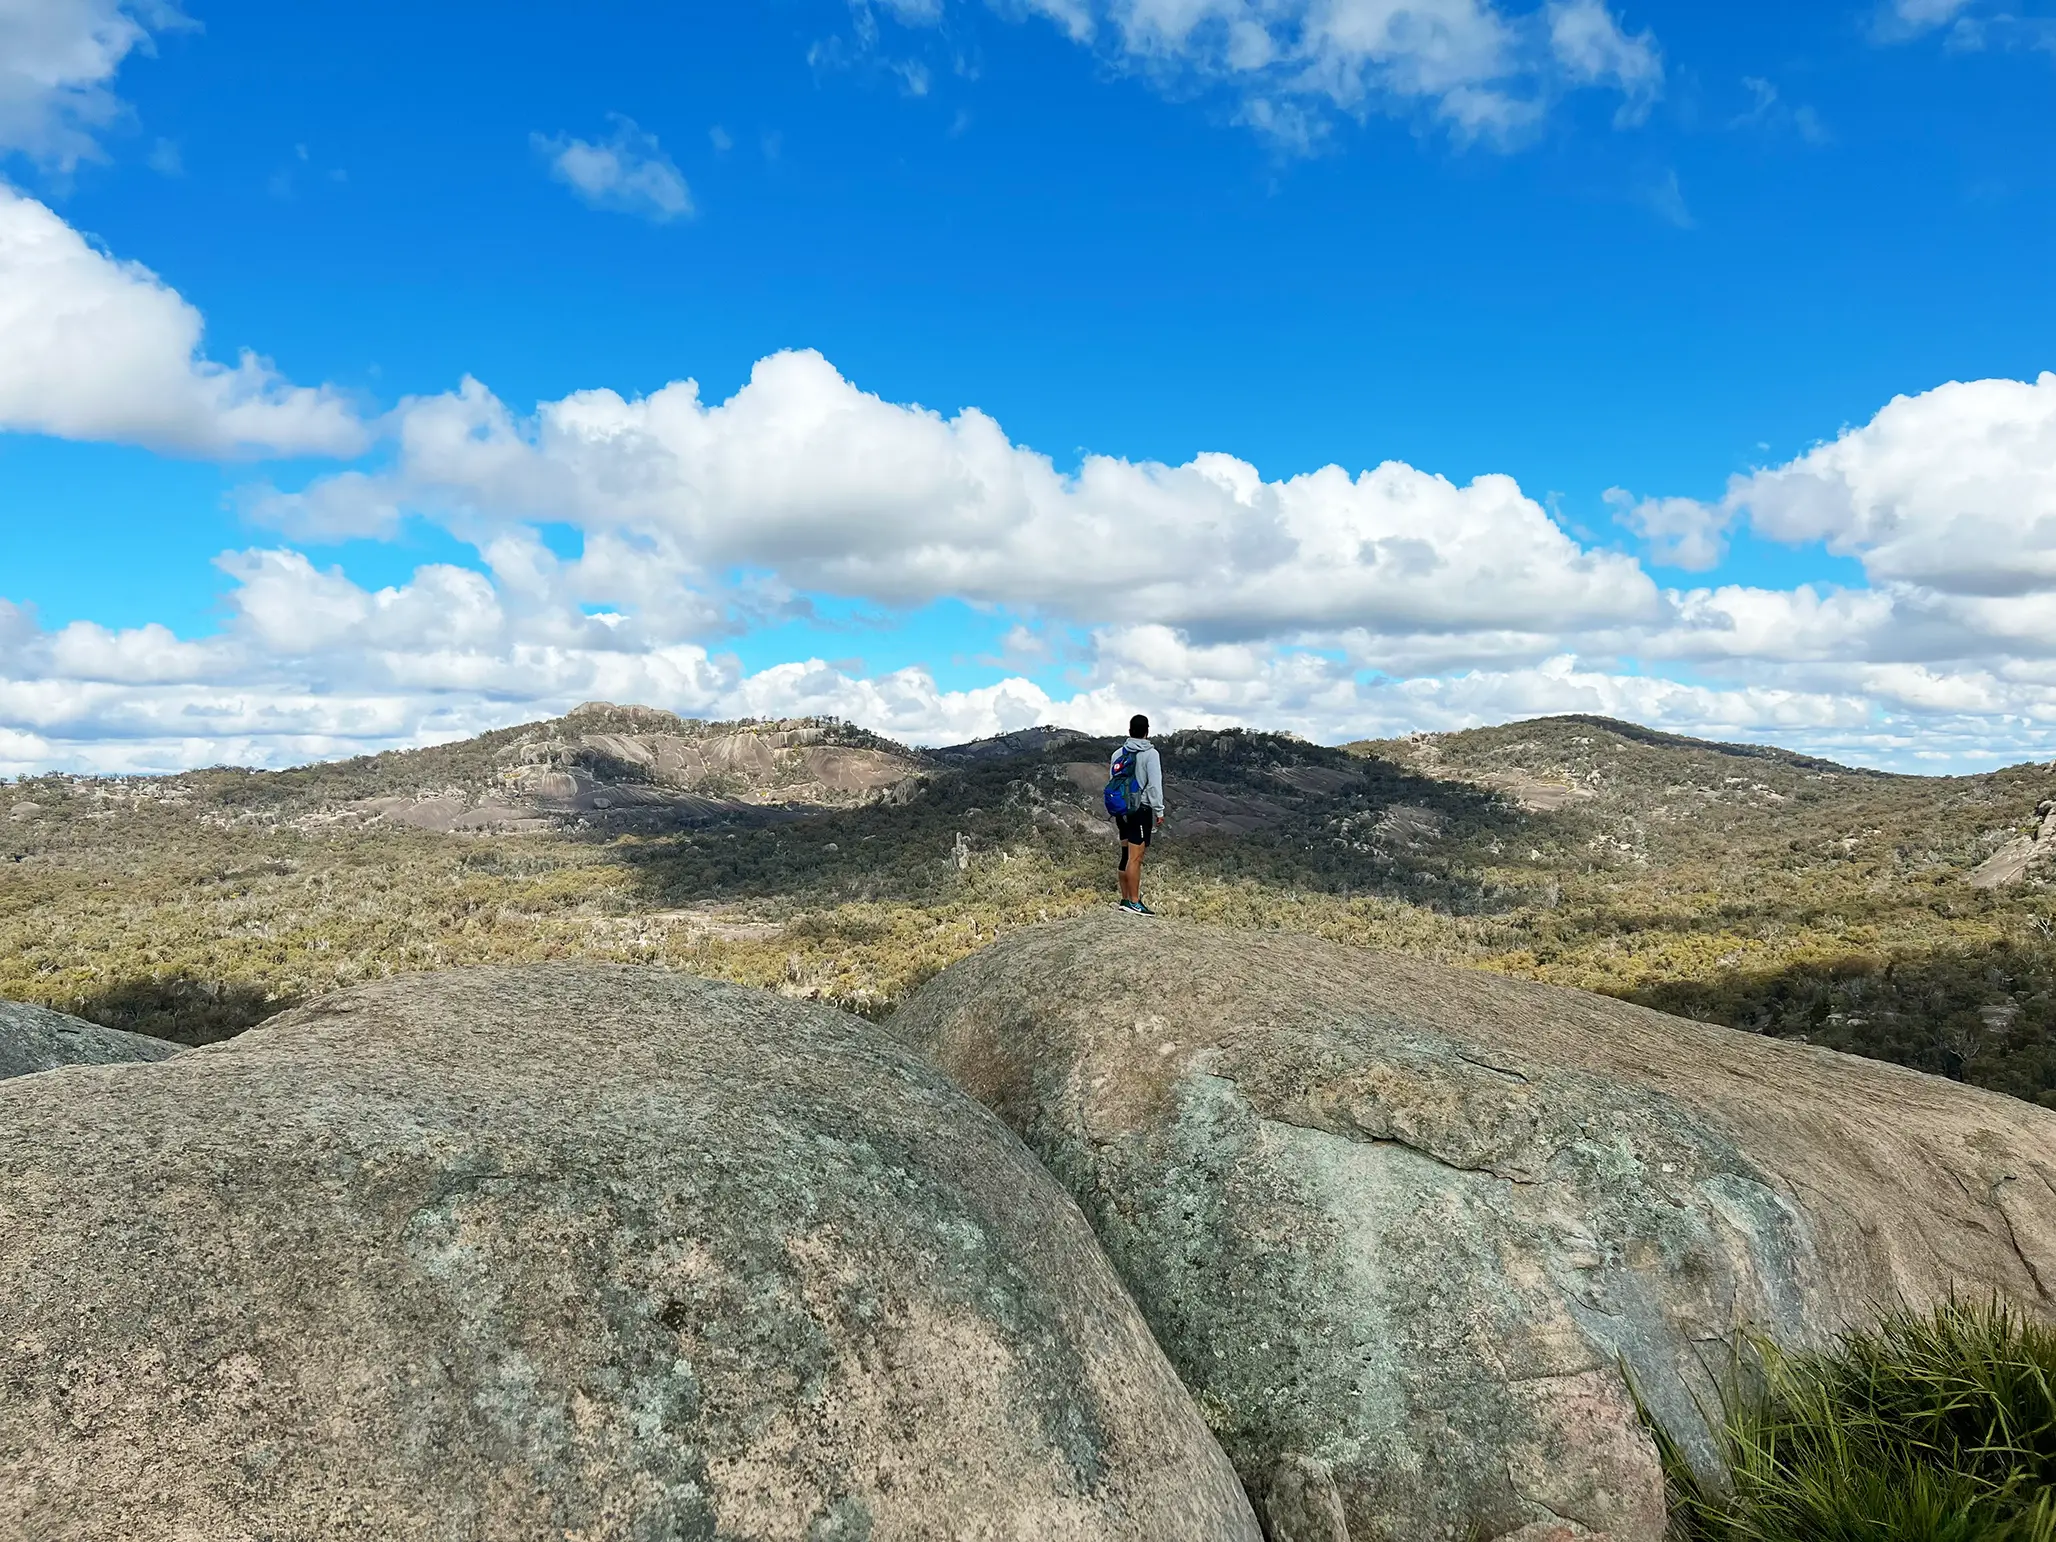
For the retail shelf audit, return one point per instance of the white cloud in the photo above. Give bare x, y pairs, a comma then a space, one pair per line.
1965, 25
57, 58
1948, 500
1909, 18
628, 173
1766, 111
1763, 101
803, 475
1073, 17
1681, 532
1488, 73
1335, 605
1952, 491
1781, 628
343, 507
1590, 44
17, 627
312, 665
95, 348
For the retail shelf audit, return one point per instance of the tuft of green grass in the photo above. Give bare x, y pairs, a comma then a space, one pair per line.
1932, 1427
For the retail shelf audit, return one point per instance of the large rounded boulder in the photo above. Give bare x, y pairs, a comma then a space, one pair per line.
36, 1039
1416, 1235
590, 1253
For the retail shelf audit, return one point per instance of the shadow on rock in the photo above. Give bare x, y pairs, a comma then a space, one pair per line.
181, 1008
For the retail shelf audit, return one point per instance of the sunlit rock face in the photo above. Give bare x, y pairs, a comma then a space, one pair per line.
545, 1252
1408, 1232
639, 765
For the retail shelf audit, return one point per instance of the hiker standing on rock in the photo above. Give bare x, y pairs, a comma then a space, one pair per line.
1135, 797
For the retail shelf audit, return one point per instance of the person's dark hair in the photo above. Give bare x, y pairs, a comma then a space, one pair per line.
1138, 725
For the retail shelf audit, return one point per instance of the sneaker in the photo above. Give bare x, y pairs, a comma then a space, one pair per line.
1133, 907
1142, 909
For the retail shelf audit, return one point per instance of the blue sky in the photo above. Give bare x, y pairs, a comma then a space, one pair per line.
1665, 267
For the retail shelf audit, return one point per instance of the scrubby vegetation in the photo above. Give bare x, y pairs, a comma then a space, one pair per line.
167, 908
1735, 884
1783, 894
1937, 1427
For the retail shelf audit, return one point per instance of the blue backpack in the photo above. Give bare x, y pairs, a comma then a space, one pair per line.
1124, 790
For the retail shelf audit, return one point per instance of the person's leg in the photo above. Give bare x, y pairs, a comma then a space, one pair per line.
1130, 874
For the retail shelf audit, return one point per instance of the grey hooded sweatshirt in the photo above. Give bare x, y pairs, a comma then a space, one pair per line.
1149, 771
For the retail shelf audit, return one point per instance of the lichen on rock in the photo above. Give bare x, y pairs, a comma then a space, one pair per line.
555, 1252
1415, 1236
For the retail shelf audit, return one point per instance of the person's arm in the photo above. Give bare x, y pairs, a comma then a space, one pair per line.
1153, 788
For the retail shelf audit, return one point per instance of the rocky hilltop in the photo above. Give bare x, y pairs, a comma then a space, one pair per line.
631, 767
1415, 1236
1295, 1243
534, 1254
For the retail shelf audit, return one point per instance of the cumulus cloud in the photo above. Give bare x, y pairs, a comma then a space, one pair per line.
1680, 532
803, 474
1951, 493
312, 665
1487, 72
57, 58
95, 348
1948, 500
628, 173
1333, 604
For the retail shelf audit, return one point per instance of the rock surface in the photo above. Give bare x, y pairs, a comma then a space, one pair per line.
563, 1253
37, 1039
607, 751
1399, 1225
635, 768
2022, 857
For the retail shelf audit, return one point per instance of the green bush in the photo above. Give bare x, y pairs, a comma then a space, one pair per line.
1935, 1427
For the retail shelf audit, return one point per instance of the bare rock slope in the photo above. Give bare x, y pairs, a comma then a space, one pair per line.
37, 1039
631, 762
1399, 1225
555, 1252
2023, 856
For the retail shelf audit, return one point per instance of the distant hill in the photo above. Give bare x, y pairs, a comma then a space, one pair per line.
1900, 916
1905, 917
638, 765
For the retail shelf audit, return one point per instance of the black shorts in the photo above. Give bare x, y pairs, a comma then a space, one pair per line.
1137, 827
